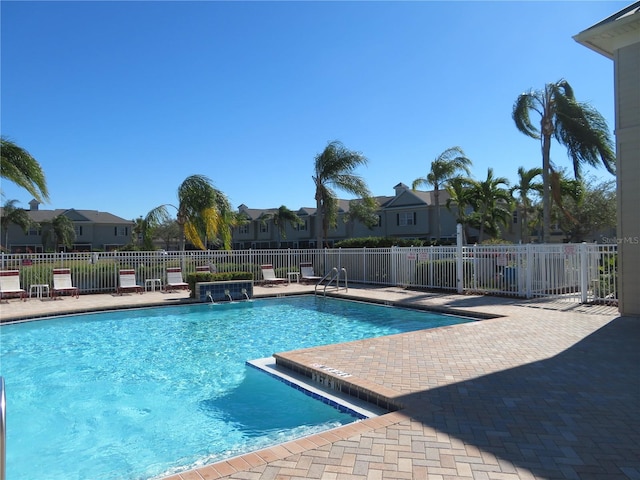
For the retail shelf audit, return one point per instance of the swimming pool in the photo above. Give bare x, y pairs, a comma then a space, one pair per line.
145, 393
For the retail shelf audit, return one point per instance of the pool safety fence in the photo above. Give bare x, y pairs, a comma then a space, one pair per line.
582, 273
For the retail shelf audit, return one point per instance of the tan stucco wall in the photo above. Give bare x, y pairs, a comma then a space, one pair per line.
627, 85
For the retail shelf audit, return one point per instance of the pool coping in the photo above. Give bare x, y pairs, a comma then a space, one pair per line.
359, 408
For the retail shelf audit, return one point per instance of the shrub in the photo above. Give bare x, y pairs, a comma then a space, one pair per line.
379, 242
442, 273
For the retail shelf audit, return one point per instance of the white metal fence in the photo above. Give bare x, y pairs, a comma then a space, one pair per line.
572, 272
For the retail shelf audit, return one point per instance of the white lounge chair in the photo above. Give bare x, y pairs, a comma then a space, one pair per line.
128, 282
174, 279
10, 284
62, 283
269, 275
307, 274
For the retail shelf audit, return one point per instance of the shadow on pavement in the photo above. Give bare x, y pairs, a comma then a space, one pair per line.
575, 415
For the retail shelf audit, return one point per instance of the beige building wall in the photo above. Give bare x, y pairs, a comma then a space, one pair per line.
627, 82
618, 38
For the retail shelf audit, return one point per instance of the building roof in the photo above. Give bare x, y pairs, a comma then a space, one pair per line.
617, 31
383, 201
93, 216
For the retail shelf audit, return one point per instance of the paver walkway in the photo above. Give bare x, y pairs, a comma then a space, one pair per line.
540, 392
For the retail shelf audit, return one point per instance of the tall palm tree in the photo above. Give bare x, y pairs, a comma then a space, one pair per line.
334, 168
280, 218
578, 126
526, 185
449, 164
203, 212
19, 167
459, 190
59, 231
492, 203
13, 214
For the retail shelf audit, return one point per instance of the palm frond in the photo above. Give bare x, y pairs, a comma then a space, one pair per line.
585, 134
158, 215
18, 166
419, 182
521, 114
192, 234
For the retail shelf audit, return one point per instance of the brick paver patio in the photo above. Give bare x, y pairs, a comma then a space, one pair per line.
544, 391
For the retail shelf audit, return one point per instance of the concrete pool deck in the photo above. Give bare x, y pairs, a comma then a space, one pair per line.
546, 390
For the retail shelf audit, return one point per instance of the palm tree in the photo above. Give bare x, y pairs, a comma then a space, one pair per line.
203, 213
59, 231
13, 214
459, 190
577, 126
280, 218
446, 166
142, 234
334, 167
19, 167
492, 204
364, 211
526, 185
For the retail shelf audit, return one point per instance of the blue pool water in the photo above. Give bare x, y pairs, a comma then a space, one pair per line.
139, 394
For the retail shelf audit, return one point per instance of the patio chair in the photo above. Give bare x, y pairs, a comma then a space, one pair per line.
174, 279
62, 283
269, 275
307, 274
10, 284
128, 282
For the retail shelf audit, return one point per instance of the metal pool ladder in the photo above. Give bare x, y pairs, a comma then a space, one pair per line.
334, 274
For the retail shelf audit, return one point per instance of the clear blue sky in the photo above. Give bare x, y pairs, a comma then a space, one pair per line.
121, 101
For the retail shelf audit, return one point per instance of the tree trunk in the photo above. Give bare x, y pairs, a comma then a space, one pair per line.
319, 226
546, 187
436, 197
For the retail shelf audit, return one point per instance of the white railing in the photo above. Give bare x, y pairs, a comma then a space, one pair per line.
573, 272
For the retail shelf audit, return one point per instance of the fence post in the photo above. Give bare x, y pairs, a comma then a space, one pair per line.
584, 272
529, 269
393, 265
459, 262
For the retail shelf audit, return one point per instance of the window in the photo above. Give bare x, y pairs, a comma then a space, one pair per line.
78, 229
121, 231
243, 229
407, 218
34, 232
264, 227
302, 227
515, 217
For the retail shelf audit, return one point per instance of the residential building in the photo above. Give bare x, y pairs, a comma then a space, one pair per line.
408, 214
94, 230
618, 38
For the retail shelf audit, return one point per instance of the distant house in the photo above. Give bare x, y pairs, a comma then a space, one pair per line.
408, 214
94, 230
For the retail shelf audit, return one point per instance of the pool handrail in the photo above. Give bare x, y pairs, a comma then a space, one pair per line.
346, 286
336, 276
3, 433
334, 269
